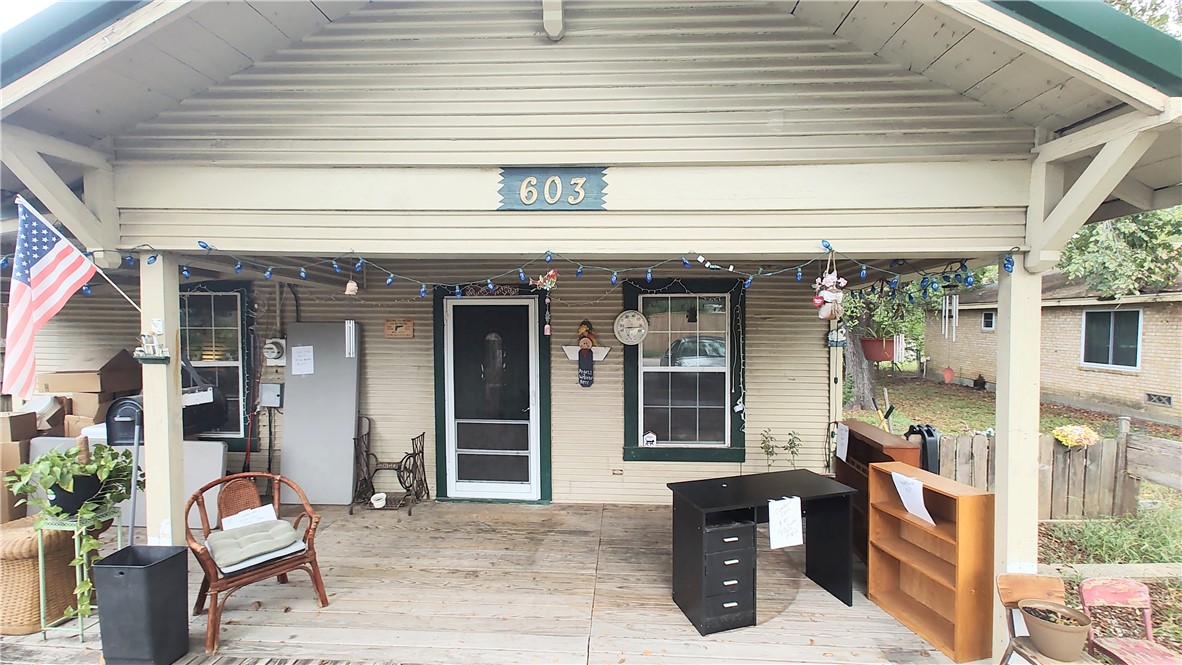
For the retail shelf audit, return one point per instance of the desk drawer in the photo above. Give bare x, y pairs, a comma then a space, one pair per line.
737, 536
728, 604
729, 565
739, 582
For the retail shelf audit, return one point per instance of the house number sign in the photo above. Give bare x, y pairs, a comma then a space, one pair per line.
555, 188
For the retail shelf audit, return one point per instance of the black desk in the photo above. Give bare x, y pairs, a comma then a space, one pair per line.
714, 542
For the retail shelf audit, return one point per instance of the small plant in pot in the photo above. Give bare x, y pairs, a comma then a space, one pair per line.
1057, 631
80, 484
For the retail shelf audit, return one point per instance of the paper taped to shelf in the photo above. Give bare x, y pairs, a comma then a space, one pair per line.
843, 441
784, 522
911, 492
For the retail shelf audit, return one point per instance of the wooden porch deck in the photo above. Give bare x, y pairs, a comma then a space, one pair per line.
502, 583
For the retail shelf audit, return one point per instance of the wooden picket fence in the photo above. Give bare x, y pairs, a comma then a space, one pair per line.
1102, 480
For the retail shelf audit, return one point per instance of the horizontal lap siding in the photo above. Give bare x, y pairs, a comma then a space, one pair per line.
478, 83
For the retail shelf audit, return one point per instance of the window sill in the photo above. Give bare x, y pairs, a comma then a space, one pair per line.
671, 454
1109, 369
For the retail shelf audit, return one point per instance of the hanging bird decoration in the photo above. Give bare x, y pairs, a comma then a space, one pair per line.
546, 282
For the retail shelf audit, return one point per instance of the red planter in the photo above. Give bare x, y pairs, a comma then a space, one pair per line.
878, 350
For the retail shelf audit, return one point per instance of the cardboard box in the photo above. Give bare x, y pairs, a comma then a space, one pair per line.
17, 426
12, 454
74, 425
94, 371
87, 404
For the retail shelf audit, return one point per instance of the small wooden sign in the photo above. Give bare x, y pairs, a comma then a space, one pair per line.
400, 328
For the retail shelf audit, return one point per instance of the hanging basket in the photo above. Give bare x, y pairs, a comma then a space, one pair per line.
878, 350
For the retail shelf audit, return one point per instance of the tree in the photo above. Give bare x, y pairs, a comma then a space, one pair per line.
1127, 255
1165, 15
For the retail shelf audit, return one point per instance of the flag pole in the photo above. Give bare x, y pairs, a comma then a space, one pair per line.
20, 200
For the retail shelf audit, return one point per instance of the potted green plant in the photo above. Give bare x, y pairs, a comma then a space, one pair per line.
79, 484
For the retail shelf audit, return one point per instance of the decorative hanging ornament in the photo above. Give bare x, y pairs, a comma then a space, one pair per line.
546, 282
351, 288
829, 289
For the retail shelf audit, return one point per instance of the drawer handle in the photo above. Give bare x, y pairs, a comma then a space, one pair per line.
730, 582
731, 539
730, 604
730, 562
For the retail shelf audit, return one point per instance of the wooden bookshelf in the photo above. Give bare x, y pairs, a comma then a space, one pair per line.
936, 580
868, 444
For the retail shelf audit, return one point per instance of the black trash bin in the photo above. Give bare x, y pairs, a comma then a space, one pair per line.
143, 604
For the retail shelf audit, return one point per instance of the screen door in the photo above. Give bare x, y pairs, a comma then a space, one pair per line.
492, 377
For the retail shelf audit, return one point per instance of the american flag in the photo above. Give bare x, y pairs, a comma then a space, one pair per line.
46, 270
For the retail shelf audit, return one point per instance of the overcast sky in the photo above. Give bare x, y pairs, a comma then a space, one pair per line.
15, 11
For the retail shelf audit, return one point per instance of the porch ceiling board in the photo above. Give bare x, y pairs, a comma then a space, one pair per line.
466, 83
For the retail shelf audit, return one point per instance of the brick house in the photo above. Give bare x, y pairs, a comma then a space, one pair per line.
1121, 355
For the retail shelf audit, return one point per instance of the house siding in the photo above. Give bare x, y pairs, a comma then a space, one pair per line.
786, 374
1063, 377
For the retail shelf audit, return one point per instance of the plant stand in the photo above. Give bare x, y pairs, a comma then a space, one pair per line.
81, 573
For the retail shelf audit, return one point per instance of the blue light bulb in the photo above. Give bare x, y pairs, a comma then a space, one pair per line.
491, 288
826, 245
129, 260
895, 283
747, 283
958, 278
267, 274
648, 276
152, 259
203, 245
685, 262
549, 256
910, 298
968, 280
894, 262
303, 273
579, 272
336, 267
799, 275
389, 280
359, 265
459, 294
946, 278
521, 274
963, 266
862, 273
935, 287
3, 263
238, 268
185, 272
923, 283
422, 290
925, 295
85, 289
615, 279
894, 294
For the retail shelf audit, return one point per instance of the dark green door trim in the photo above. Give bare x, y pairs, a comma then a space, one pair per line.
736, 451
545, 457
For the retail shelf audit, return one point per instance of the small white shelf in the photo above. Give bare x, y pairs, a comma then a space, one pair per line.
599, 352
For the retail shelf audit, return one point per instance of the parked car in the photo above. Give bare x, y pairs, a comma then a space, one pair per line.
696, 351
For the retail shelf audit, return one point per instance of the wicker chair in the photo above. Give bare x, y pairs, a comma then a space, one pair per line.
240, 492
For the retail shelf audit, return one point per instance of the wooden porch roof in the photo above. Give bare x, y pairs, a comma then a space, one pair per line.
498, 583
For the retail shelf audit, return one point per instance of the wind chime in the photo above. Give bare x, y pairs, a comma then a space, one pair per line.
546, 283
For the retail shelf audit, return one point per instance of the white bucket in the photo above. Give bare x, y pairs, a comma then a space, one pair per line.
378, 500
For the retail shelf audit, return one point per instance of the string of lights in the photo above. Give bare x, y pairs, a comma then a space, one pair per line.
885, 279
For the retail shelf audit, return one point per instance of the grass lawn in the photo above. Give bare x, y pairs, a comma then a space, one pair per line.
953, 409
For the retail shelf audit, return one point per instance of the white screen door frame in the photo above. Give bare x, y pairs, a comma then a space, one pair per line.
484, 489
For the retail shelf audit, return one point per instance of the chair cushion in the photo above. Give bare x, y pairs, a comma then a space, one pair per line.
247, 542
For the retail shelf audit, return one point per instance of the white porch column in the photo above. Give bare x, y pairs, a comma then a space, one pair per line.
1015, 537
163, 437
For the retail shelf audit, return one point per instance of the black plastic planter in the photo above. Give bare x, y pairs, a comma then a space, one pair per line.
85, 487
143, 605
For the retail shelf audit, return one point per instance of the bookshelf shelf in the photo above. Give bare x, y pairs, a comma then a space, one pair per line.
935, 580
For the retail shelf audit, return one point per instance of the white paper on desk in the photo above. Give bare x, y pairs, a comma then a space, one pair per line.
911, 492
843, 441
301, 360
784, 522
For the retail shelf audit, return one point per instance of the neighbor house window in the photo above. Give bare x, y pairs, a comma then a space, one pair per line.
683, 377
1112, 338
211, 337
988, 320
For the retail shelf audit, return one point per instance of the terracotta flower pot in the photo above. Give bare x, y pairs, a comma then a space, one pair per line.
878, 350
1055, 640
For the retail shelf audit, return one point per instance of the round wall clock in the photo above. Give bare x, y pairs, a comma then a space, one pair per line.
631, 327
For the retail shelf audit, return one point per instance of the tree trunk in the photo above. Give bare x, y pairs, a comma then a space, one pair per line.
859, 369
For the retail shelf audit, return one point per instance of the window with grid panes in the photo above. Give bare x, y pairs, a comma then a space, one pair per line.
211, 337
1112, 338
684, 369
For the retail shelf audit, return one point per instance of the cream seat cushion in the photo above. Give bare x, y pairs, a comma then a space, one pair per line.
252, 544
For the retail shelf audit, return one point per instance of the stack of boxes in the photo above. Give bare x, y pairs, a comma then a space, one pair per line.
91, 380
15, 431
